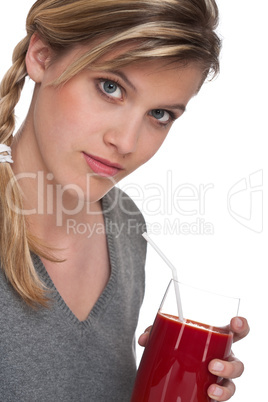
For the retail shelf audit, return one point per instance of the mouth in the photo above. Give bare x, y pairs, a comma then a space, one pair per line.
101, 166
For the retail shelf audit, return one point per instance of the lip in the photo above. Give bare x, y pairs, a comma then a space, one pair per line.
101, 166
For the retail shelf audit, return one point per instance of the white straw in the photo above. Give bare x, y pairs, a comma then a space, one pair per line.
174, 273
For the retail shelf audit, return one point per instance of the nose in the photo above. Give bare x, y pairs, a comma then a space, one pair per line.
124, 134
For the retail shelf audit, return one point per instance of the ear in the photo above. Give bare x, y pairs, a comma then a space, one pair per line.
37, 58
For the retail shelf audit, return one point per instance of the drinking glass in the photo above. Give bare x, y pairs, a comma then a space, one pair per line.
174, 365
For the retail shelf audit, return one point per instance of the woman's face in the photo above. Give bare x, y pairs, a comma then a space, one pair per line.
100, 126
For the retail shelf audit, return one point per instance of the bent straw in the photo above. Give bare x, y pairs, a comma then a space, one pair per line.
174, 273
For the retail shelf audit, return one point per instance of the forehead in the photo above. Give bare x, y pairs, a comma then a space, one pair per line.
80, 58
186, 78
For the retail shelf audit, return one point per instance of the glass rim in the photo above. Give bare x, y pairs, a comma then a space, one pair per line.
187, 290
200, 289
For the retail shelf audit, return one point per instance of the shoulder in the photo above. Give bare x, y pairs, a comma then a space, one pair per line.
117, 202
124, 221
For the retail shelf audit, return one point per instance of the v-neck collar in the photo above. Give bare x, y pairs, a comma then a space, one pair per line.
108, 291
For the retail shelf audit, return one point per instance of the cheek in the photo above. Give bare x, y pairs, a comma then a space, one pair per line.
66, 109
151, 145
58, 116
76, 110
148, 147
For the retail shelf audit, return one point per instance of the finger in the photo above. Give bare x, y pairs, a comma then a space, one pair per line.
221, 392
239, 326
226, 369
143, 339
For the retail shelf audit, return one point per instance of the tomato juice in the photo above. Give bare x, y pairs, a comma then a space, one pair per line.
174, 363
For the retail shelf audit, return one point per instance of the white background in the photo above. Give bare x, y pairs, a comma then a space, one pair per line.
219, 239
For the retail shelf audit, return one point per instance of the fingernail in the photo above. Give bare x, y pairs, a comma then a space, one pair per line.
217, 391
217, 366
238, 322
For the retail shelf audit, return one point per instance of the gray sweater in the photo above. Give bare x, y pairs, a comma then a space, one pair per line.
48, 355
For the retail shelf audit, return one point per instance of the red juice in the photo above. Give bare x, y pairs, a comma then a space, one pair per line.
174, 363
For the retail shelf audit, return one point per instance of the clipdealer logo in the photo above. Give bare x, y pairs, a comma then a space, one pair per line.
245, 201
174, 208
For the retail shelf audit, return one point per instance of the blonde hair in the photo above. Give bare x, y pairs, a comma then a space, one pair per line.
179, 30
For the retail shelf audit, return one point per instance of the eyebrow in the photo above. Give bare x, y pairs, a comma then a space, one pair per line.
177, 106
124, 78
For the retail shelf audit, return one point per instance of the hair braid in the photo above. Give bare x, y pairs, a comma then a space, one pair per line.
10, 91
14, 241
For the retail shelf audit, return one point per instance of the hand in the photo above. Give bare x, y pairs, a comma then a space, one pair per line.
230, 369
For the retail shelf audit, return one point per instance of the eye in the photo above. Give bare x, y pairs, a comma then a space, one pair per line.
111, 88
161, 115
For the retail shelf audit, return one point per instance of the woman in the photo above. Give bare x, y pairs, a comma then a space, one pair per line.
110, 78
